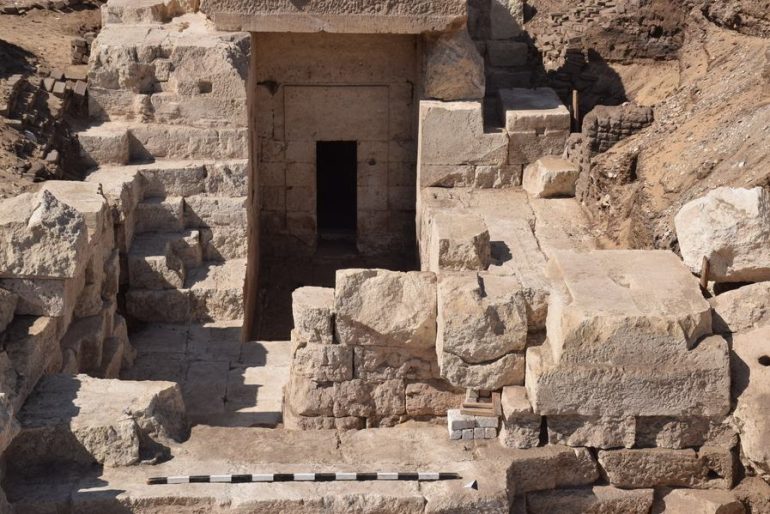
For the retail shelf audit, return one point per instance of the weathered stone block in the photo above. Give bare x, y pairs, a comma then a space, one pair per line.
489, 376
537, 110
592, 432
313, 310
730, 228
679, 433
83, 420
323, 362
431, 398
459, 242
550, 177
361, 296
687, 501
384, 363
742, 308
8, 302
507, 18
592, 499
105, 144
160, 215
307, 398
520, 426
550, 467
41, 237
481, 317
454, 70
708, 468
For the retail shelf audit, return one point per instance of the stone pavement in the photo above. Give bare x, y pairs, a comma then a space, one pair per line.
224, 382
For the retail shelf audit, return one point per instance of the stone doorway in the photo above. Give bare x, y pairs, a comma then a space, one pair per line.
336, 185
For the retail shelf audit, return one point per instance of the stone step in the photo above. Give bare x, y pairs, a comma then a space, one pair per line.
160, 215
161, 260
82, 421
212, 292
105, 144
193, 177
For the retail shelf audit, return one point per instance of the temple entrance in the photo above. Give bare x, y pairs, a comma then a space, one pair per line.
336, 172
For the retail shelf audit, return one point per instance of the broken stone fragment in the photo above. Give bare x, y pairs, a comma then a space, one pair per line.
459, 241
751, 389
454, 69
363, 296
488, 376
731, 228
481, 317
550, 177
83, 420
551, 467
707, 468
313, 310
41, 237
520, 426
431, 398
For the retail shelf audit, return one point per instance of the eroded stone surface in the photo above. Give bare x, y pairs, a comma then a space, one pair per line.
454, 70
313, 309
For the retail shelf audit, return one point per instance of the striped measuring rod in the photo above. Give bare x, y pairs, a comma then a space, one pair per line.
302, 477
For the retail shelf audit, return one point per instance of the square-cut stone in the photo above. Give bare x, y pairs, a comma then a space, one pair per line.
533, 109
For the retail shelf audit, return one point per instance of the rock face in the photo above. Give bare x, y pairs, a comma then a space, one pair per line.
362, 296
41, 237
751, 391
454, 70
730, 228
600, 348
83, 420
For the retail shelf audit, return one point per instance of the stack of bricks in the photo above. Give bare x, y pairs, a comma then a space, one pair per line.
63, 84
465, 427
81, 48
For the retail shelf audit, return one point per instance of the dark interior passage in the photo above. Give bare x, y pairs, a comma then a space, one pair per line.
336, 185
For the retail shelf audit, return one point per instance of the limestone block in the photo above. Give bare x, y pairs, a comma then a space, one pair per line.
520, 426
89, 303
155, 271
688, 501
537, 110
8, 302
374, 363
365, 17
591, 499
313, 311
550, 467
459, 242
526, 147
227, 178
144, 11
85, 338
307, 398
692, 385
592, 432
678, 433
741, 309
160, 215
46, 297
87, 199
431, 398
169, 306
481, 317
224, 243
211, 211
550, 177
447, 175
453, 68
708, 468
751, 386
323, 362
489, 376
506, 18
84, 420
362, 295
186, 142
9, 427
452, 133
41, 237
730, 228
105, 144
589, 335
173, 179
32, 348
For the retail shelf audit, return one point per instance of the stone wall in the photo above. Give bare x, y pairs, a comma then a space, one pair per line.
325, 87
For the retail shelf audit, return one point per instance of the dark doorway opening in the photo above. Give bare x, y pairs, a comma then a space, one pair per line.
336, 163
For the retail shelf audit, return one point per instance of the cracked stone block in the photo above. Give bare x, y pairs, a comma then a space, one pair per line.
592, 432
